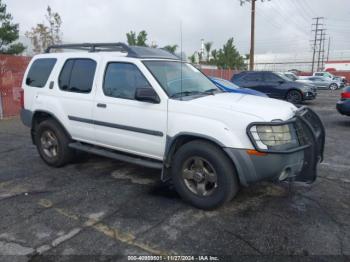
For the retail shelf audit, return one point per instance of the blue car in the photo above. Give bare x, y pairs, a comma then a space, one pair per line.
228, 86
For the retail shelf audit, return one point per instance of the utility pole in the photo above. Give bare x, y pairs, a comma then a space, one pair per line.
320, 58
252, 36
252, 31
323, 47
329, 47
316, 30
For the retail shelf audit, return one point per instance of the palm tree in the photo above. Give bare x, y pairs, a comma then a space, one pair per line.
192, 58
139, 40
171, 48
208, 46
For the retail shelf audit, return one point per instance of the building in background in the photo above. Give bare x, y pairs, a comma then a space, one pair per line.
340, 65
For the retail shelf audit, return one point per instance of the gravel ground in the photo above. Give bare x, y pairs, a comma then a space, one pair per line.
101, 209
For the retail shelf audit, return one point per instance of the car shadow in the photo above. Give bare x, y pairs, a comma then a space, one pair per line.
343, 123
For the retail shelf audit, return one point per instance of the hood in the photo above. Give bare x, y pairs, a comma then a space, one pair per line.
265, 109
252, 92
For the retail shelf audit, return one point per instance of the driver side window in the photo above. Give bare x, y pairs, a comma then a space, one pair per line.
122, 79
272, 78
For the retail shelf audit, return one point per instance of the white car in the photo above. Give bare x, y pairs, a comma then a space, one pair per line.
145, 106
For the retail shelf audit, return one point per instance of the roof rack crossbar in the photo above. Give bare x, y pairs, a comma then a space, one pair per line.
132, 51
93, 47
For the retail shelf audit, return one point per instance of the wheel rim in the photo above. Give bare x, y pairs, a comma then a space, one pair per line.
49, 144
293, 97
333, 86
199, 176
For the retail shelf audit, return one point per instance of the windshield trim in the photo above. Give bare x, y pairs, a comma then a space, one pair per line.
182, 62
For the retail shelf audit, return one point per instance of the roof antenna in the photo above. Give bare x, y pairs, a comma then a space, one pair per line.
181, 58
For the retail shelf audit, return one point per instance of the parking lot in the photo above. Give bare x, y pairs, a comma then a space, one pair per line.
98, 206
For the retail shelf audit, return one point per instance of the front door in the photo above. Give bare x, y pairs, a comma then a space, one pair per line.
123, 123
273, 85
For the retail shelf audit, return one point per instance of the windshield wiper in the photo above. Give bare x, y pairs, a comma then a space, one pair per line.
185, 93
212, 91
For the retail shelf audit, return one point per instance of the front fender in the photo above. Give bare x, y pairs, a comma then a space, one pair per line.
208, 128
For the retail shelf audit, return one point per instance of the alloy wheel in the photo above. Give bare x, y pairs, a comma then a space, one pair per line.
294, 97
49, 144
333, 87
199, 176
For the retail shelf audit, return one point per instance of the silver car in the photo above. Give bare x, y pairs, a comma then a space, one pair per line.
297, 78
323, 82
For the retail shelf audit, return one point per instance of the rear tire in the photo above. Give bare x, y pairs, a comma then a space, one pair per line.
333, 86
294, 96
203, 175
53, 143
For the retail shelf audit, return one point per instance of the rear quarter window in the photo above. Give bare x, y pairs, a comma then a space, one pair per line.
40, 71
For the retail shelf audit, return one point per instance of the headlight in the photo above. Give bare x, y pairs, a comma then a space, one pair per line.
306, 88
274, 136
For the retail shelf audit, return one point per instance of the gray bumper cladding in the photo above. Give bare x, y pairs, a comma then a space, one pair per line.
252, 168
26, 117
299, 161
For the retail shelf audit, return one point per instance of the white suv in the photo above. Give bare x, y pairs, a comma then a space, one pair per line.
145, 106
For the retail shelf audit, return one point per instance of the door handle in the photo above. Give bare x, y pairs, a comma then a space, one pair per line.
101, 105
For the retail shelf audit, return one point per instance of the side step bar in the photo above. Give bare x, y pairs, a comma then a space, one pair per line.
118, 156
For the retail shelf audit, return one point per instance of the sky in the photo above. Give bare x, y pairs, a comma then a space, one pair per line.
282, 26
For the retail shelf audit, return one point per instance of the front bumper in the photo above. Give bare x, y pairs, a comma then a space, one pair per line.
299, 162
309, 95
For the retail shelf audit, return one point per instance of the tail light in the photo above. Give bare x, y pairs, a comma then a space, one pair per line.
345, 95
22, 98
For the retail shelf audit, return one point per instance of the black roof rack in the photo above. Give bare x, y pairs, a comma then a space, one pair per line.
133, 51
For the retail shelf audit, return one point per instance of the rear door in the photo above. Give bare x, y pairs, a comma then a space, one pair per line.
75, 89
252, 80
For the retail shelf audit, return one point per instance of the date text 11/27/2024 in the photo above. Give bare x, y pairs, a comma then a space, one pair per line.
173, 258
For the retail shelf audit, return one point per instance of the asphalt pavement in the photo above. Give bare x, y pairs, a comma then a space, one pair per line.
99, 209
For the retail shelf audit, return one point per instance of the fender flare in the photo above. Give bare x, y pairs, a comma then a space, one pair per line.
170, 149
51, 115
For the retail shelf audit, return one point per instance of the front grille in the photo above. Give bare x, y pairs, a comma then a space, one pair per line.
310, 129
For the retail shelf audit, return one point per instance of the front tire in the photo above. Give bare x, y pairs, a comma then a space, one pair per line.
294, 97
53, 143
203, 175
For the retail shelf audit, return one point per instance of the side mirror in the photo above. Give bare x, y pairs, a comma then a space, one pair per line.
147, 95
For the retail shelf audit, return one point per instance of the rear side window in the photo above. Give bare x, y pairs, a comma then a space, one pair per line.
77, 75
122, 79
253, 77
40, 72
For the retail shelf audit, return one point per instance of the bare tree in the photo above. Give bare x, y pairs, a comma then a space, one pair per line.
43, 35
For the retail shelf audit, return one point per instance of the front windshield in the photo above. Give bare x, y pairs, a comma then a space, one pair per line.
176, 82
291, 76
283, 77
